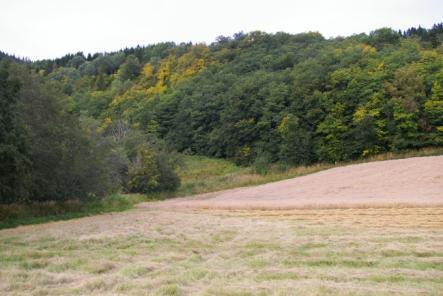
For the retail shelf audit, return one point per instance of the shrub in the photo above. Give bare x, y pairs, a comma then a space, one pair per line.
168, 179
152, 172
143, 173
262, 163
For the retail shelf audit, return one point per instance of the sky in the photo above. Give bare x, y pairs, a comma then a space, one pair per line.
52, 28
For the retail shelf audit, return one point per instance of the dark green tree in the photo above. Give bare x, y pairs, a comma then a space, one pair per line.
14, 161
129, 69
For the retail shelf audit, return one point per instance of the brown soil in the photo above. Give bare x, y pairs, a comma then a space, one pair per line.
405, 182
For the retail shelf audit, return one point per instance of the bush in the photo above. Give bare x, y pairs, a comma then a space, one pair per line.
262, 163
152, 172
143, 173
168, 179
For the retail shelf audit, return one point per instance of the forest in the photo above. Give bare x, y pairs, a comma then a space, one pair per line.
84, 126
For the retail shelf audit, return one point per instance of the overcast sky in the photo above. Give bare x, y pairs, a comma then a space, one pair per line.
52, 28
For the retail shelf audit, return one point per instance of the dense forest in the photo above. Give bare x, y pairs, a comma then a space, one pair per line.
83, 126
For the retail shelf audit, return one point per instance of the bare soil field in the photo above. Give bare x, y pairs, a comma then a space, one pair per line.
181, 247
405, 182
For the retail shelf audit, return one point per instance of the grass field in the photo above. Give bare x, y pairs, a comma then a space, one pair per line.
387, 251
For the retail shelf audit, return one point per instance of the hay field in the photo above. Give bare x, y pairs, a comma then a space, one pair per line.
166, 249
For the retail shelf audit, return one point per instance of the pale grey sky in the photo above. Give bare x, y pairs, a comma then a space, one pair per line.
51, 28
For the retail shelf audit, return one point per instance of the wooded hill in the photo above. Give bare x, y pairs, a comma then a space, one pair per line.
253, 98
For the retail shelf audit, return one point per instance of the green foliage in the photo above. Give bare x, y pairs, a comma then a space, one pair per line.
383, 37
168, 179
297, 144
332, 131
143, 173
297, 98
16, 214
129, 69
14, 160
262, 163
66, 163
52, 150
254, 98
152, 172
407, 91
45, 154
433, 109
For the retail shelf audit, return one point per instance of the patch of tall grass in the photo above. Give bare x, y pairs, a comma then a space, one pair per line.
12, 215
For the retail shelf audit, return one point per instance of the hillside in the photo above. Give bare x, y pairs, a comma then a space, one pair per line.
296, 99
414, 181
84, 127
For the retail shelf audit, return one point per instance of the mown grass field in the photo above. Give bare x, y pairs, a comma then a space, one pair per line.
201, 174
385, 251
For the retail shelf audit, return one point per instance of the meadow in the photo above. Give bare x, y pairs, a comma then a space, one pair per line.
161, 250
381, 251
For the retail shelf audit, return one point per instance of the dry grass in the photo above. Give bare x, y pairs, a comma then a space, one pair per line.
202, 174
386, 250
413, 182
380, 251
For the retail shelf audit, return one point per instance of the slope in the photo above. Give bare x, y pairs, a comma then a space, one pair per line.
405, 182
